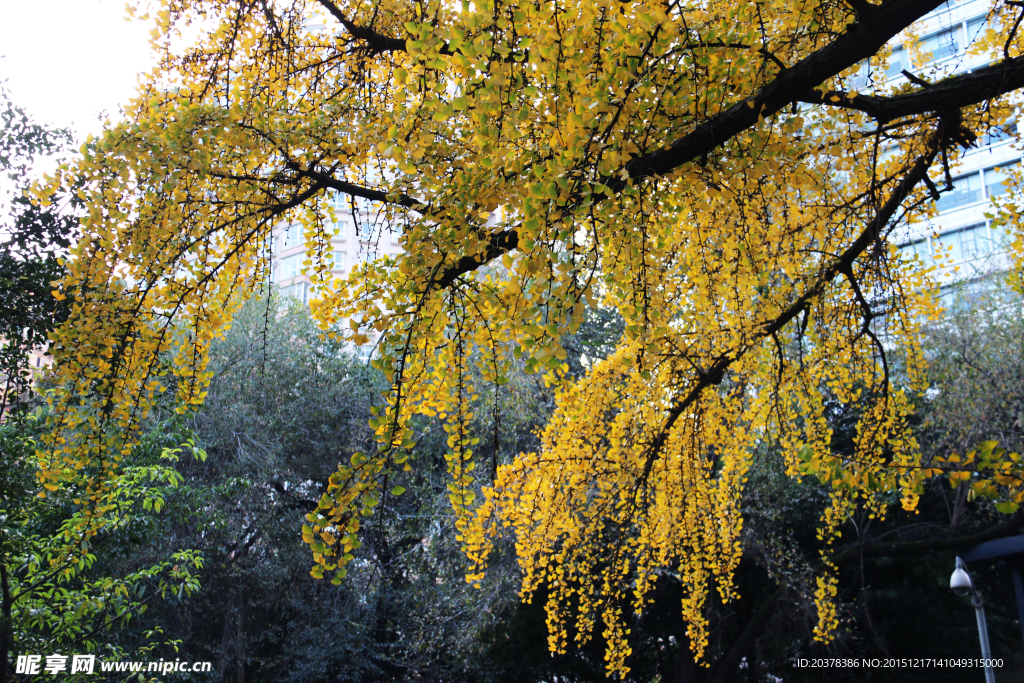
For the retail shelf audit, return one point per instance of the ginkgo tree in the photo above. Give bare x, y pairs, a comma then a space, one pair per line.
704, 168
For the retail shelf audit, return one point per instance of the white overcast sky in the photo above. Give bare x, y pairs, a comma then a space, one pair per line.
65, 61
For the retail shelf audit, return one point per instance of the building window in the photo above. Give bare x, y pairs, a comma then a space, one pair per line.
365, 229
943, 44
975, 29
954, 246
290, 267
921, 249
966, 190
974, 241
290, 237
947, 247
338, 263
299, 291
997, 176
897, 62
1001, 238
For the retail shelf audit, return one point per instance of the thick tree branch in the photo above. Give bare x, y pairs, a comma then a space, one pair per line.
906, 548
376, 43
861, 7
860, 40
328, 181
951, 93
499, 243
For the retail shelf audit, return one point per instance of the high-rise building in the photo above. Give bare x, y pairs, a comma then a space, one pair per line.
960, 239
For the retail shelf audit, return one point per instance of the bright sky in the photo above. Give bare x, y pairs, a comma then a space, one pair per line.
65, 61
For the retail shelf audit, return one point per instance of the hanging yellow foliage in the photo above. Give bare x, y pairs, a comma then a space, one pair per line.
706, 169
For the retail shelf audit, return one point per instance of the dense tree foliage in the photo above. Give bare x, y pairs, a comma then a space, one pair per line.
59, 587
703, 169
32, 240
284, 406
78, 599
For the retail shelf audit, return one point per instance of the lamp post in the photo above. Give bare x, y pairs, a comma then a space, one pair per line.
961, 584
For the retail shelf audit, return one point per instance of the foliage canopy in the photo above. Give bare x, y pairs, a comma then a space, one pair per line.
706, 169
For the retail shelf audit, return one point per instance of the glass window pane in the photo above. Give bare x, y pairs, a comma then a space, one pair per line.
339, 261
976, 28
1001, 238
972, 241
942, 44
966, 190
290, 237
298, 291
897, 63
996, 177
290, 267
920, 249
947, 247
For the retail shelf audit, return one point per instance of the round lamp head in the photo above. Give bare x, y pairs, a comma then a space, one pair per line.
960, 582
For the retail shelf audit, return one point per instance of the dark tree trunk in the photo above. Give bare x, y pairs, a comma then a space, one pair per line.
5, 622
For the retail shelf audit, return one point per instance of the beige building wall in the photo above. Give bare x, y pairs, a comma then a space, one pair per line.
359, 236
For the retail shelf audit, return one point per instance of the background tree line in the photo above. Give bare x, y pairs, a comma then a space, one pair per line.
285, 405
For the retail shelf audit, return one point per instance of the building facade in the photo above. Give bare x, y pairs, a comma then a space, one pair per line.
960, 240
359, 235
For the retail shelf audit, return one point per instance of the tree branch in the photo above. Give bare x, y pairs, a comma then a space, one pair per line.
871, 232
328, 181
795, 84
861, 7
951, 93
376, 43
905, 548
861, 40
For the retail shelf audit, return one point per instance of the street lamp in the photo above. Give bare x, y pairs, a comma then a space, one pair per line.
962, 585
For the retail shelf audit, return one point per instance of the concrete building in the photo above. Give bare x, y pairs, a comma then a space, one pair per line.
960, 239
359, 235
